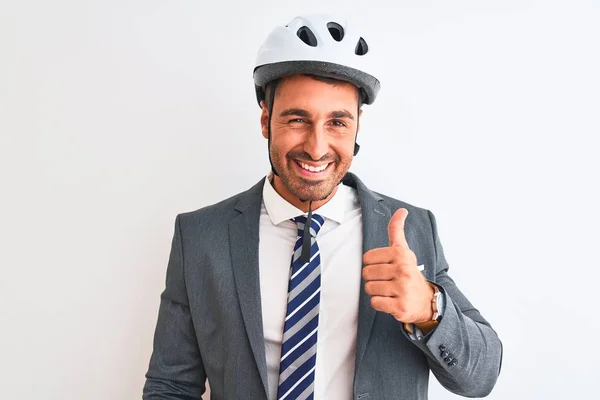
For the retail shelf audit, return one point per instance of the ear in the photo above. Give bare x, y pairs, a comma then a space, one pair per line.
264, 120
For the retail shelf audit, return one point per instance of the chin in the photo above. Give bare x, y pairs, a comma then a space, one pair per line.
311, 191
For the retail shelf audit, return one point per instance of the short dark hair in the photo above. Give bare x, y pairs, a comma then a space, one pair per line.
332, 81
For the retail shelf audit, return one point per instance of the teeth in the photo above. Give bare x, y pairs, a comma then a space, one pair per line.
313, 169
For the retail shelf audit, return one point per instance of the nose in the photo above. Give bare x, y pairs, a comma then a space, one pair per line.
316, 144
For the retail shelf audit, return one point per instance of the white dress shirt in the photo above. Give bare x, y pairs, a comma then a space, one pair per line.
340, 245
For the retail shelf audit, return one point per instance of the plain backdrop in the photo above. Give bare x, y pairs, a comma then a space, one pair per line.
116, 115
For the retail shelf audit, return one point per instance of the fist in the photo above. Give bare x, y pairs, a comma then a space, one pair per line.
392, 279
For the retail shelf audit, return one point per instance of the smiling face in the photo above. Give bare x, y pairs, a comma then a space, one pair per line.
313, 130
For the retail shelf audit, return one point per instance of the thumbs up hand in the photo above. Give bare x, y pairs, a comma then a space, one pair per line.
392, 279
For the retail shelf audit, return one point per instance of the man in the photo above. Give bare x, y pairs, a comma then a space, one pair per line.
309, 285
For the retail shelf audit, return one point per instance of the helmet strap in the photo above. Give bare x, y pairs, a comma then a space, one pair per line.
360, 101
271, 101
306, 242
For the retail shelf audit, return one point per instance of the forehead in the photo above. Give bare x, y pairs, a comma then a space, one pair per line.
302, 90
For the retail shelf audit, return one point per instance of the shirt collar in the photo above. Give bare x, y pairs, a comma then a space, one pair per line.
280, 210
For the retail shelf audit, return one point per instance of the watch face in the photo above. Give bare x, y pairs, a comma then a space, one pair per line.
440, 304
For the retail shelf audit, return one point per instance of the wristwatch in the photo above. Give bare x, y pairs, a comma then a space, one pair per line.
436, 306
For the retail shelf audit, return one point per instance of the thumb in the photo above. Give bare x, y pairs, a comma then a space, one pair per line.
396, 228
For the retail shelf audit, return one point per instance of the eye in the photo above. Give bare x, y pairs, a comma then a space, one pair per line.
296, 120
338, 123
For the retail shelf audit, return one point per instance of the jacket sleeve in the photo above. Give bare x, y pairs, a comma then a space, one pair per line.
176, 370
463, 351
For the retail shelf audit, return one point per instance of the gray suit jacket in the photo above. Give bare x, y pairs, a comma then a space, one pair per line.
210, 324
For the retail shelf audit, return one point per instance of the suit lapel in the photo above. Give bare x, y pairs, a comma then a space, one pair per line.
376, 217
244, 237
243, 242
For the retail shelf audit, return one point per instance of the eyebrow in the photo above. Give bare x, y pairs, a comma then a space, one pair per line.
341, 114
303, 113
294, 111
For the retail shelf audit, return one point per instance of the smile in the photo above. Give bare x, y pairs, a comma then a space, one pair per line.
311, 168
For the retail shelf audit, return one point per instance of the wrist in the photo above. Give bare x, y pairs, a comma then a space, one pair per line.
433, 315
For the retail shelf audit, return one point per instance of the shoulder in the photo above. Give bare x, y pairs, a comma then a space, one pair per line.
417, 215
395, 204
220, 213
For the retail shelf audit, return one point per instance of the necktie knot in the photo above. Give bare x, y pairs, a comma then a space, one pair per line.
317, 222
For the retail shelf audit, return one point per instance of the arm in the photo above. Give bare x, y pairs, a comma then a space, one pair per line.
176, 371
463, 351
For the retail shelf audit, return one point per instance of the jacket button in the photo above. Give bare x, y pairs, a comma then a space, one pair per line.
453, 363
445, 354
442, 348
448, 359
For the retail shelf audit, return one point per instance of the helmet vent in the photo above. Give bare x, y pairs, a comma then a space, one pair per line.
307, 36
361, 47
336, 31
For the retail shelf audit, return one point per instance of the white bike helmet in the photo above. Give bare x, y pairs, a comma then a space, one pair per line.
319, 45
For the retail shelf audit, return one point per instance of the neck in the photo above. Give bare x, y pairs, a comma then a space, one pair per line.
295, 201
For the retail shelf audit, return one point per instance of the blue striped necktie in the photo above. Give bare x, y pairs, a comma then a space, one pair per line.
299, 345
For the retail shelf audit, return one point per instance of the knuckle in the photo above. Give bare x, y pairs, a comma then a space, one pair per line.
397, 253
403, 256
399, 316
404, 271
401, 309
400, 271
397, 268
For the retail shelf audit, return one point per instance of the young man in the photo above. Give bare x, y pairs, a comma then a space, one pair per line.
309, 285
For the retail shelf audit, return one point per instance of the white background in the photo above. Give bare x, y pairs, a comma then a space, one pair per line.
117, 115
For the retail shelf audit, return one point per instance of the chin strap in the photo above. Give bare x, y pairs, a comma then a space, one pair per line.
271, 101
360, 102
306, 240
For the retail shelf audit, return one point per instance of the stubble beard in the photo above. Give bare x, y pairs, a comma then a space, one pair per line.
306, 189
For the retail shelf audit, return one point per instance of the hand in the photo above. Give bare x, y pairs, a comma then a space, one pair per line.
392, 279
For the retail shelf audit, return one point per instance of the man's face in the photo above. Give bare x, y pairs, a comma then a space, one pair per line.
313, 130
